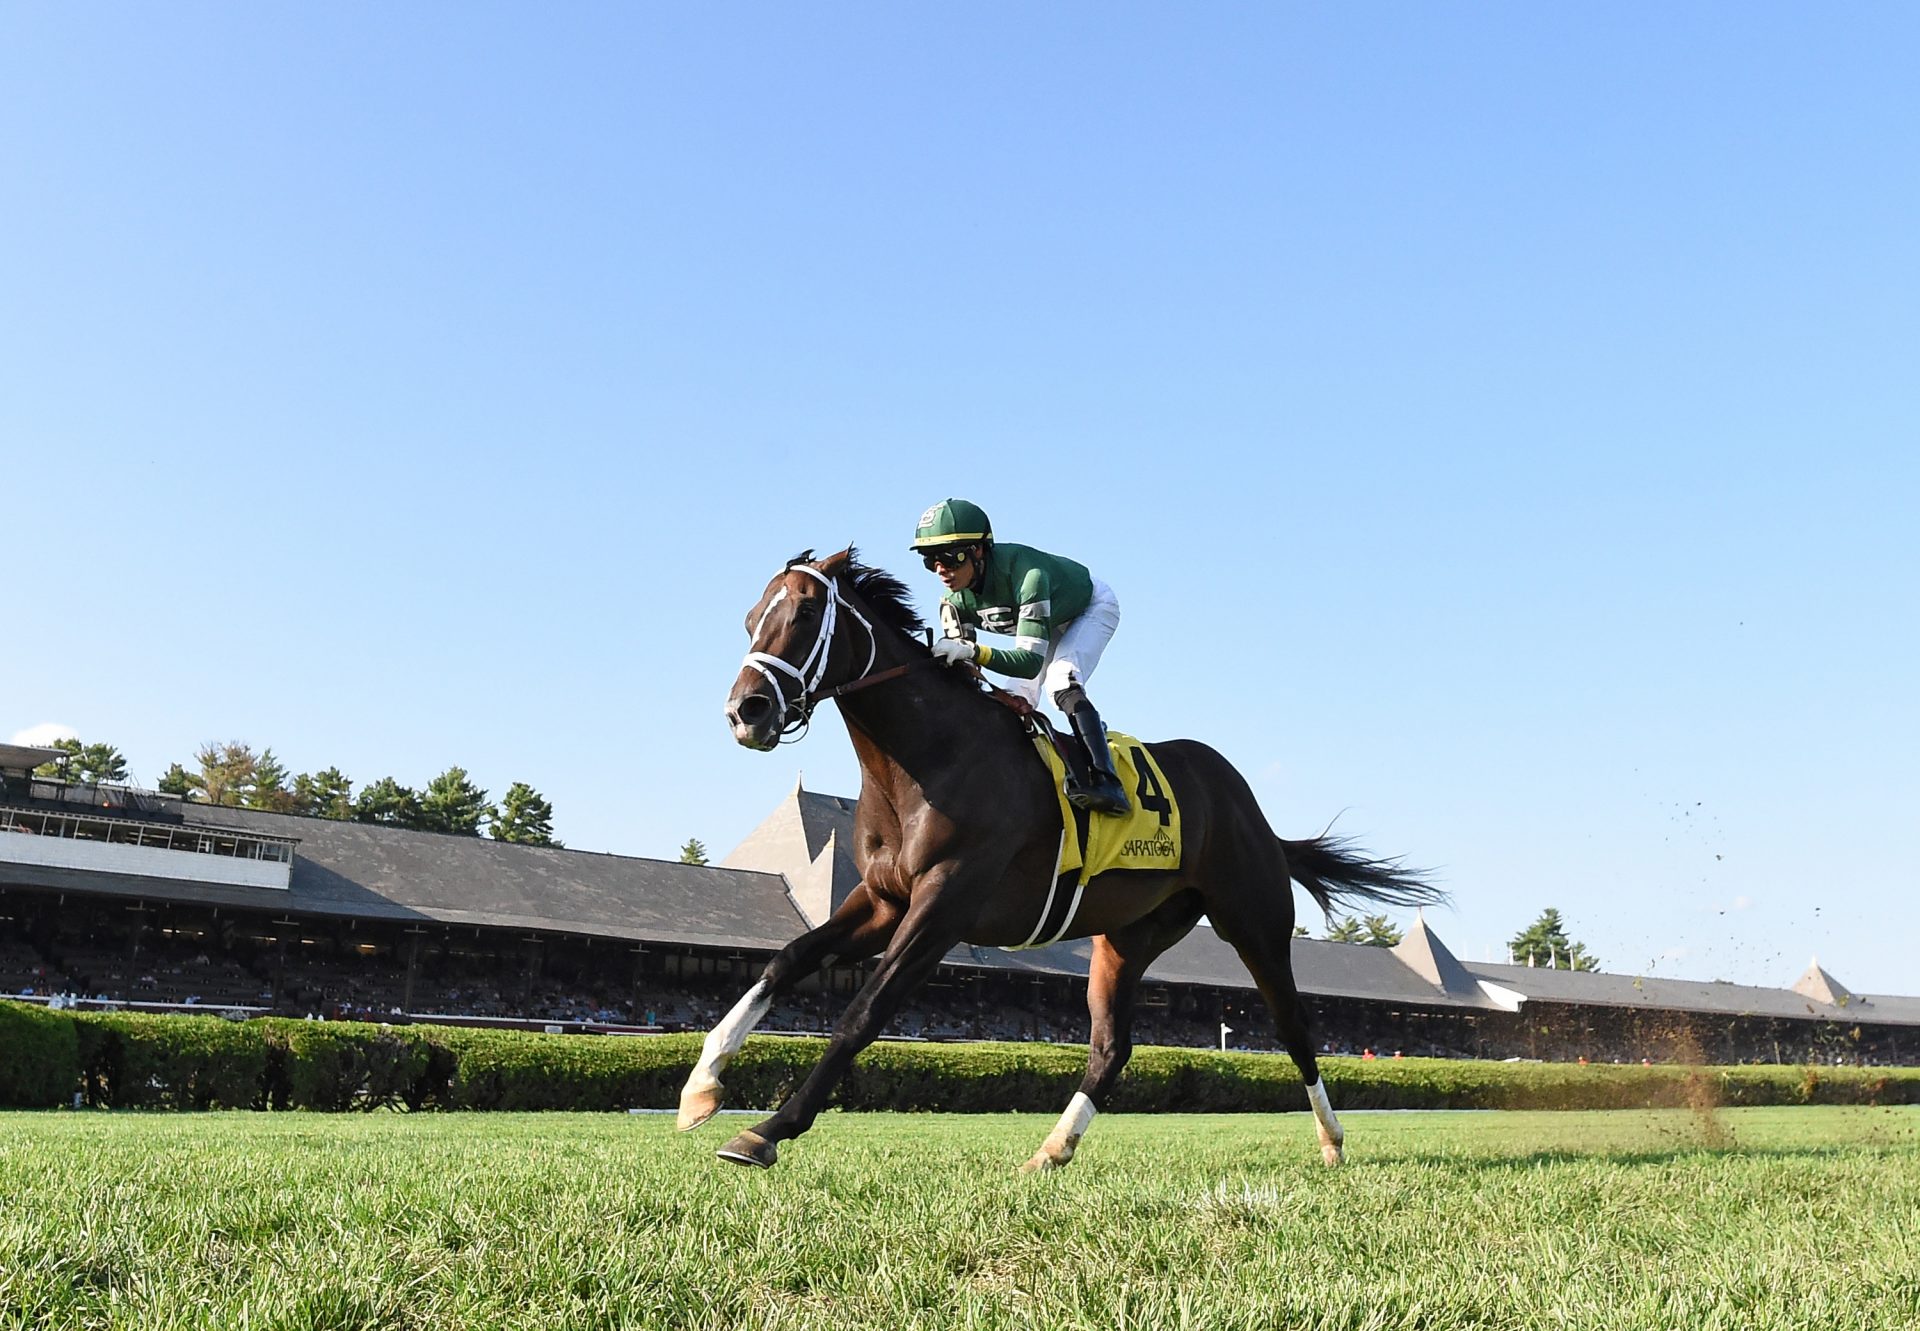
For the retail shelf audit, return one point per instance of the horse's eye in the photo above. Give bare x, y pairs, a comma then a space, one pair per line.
808, 610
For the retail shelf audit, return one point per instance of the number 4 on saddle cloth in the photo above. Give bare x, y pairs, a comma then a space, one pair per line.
1147, 838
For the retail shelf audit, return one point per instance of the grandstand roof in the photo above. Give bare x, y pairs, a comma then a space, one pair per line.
1334, 970
809, 834
1604, 989
374, 872
1898, 1008
1816, 984
26, 757
806, 838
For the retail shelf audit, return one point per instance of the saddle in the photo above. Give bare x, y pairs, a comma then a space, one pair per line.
1145, 839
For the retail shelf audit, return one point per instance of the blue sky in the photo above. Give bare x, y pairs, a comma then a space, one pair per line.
1499, 424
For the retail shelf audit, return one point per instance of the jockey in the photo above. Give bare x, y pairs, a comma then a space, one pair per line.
1060, 616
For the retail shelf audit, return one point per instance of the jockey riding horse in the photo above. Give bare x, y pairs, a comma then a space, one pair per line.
1060, 616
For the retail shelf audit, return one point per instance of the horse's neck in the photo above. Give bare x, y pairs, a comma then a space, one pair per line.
917, 726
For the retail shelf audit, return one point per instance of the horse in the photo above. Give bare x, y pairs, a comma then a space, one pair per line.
957, 835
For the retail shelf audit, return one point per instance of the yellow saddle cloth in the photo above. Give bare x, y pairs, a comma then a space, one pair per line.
1146, 838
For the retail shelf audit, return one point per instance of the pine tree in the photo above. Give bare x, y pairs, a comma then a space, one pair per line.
323, 794
1346, 930
387, 803
1545, 943
693, 852
85, 762
452, 803
524, 817
226, 772
268, 787
1380, 932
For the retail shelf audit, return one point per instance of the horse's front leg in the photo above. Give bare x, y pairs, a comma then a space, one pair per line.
910, 958
860, 928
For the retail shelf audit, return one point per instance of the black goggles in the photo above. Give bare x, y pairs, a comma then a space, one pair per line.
950, 558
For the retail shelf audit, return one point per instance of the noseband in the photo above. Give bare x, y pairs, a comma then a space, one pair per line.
810, 671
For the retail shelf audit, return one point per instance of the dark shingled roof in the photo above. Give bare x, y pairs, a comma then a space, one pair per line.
1602, 989
372, 872
355, 869
1331, 970
1420, 970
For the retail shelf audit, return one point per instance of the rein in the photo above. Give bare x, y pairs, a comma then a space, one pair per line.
868, 681
1013, 702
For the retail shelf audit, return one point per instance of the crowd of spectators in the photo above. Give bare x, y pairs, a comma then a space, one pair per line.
583, 989
342, 984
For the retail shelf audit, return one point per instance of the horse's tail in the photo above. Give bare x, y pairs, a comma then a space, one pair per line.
1333, 869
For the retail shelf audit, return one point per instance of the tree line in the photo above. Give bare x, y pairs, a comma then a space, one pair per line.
232, 774
1544, 943
1373, 931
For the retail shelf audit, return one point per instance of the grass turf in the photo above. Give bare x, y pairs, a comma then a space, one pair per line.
1756, 1218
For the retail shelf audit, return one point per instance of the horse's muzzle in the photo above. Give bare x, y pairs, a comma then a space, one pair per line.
752, 717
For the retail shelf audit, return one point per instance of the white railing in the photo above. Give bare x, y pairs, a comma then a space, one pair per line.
181, 863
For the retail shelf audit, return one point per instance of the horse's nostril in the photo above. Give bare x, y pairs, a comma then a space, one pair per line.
754, 709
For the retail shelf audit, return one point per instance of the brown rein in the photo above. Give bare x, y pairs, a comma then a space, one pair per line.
868, 681
1013, 702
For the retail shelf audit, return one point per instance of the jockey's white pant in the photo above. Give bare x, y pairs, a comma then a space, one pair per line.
1073, 654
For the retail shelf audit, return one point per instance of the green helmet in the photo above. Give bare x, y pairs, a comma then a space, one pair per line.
952, 522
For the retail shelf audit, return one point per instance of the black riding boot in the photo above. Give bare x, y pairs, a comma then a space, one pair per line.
1094, 786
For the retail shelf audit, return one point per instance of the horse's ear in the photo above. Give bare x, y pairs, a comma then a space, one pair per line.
834, 565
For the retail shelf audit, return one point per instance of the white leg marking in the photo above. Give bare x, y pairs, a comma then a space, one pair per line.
724, 1040
1323, 1120
1066, 1134
700, 1098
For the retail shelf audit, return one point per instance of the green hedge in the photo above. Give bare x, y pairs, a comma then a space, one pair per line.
134, 1061
347, 1065
39, 1057
126, 1060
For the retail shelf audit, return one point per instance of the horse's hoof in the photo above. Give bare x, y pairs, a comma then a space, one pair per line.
696, 1107
750, 1148
1042, 1163
1330, 1154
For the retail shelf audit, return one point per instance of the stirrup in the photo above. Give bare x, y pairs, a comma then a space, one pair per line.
1106, 796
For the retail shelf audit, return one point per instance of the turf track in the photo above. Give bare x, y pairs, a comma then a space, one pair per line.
1754, 1218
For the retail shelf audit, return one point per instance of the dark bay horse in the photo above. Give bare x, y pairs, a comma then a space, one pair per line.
957, 835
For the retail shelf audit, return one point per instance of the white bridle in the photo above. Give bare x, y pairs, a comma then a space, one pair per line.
809, 672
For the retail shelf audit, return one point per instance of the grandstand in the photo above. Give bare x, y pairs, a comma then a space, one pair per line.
122, 897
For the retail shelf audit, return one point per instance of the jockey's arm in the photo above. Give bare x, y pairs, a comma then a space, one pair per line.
1032, 632
1022, 660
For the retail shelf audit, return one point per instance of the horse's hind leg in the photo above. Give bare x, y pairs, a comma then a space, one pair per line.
1120, 958
856, 931
1265, 943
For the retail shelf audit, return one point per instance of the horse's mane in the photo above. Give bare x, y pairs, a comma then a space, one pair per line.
884, 594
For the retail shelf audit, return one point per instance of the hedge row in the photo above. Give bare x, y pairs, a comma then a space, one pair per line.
39, 1056
124, 1060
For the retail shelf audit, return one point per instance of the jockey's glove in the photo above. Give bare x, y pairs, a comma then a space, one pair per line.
952, 651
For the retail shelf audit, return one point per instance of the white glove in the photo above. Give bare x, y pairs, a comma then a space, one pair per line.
952, 651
